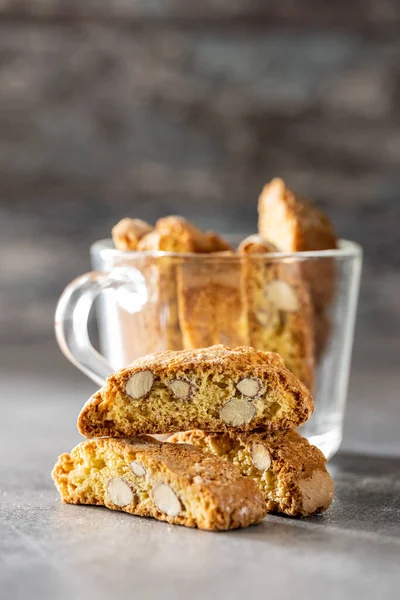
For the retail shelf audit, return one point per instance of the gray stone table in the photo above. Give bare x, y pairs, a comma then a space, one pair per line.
51, 551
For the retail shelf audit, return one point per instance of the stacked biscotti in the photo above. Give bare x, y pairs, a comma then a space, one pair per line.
244, 296
234, 457
239, 332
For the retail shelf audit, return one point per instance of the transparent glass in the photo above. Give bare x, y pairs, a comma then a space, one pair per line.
152, 301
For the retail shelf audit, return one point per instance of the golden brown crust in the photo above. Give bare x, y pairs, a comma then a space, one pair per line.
128, 232
211, 306
291, 223
296, 483
283, 402
286, 330
211, 493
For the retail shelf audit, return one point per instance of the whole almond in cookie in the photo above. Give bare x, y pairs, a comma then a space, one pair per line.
119, 492
250, 387
181, 388
260, 456
138, 469
139, 384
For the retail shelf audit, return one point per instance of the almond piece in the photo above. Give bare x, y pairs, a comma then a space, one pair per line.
282, 295
237, 411
180, 389
119, 492
137, 468
166, 500
260, 456
250, 387
139, 384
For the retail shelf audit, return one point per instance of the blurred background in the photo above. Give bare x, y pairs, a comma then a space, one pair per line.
113, 108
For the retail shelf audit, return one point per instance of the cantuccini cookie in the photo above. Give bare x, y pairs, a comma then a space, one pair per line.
176, 234
279, 310
211, 306
179, 484
294, 225
215, 389
206, 307
290, 472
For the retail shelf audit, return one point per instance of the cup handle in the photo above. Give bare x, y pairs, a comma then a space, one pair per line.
71, 320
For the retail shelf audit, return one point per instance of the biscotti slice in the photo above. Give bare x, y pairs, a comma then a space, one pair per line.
176, 483
211, 306
290, 472
279, 310
175, 234
294, 225
215, 389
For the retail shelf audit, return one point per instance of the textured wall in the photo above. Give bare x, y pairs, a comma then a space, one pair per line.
148, 108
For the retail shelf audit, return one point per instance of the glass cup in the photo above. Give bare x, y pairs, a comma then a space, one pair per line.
301, 305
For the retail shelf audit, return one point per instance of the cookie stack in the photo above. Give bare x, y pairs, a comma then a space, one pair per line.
237, 455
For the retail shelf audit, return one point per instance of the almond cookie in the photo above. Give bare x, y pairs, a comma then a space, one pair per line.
215, 389
294, 225
179, 484
175, 234
279, 310
211, 306
128, 232
289, 471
